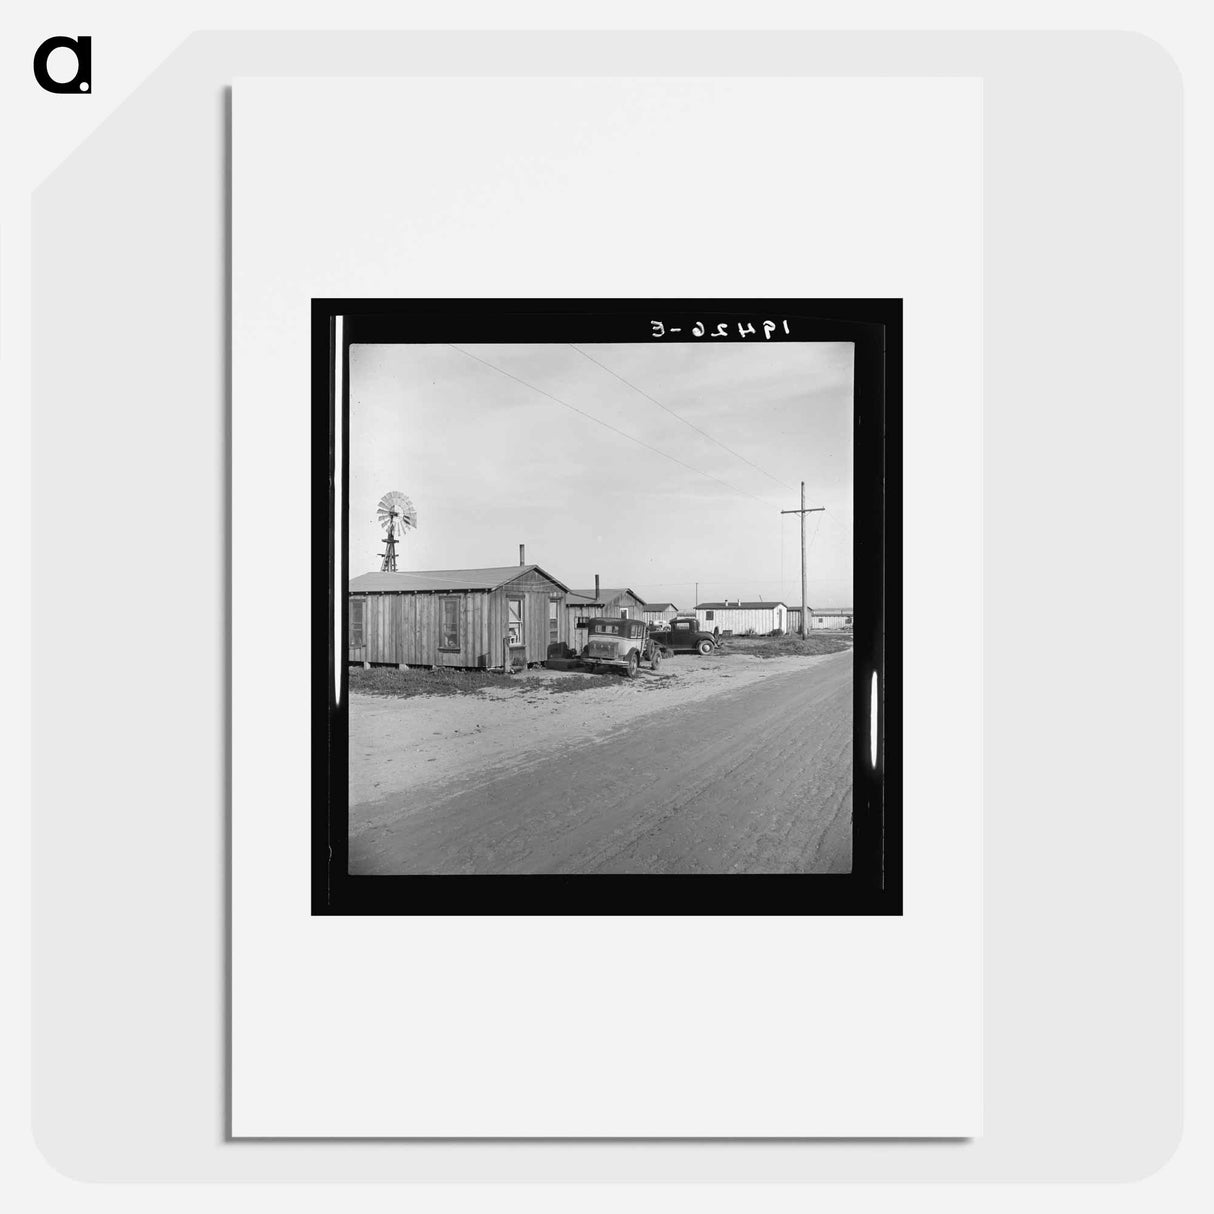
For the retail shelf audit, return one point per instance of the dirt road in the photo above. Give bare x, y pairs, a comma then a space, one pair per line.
757, 779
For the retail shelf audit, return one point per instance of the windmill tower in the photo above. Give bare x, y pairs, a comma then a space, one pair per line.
396, 516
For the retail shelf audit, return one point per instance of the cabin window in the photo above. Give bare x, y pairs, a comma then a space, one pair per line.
554, 606
847, 620
515, 615
358, 608
448, 637
623, 613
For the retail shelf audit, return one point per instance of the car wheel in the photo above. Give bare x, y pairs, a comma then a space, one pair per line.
634, 663
705, 648
656, 660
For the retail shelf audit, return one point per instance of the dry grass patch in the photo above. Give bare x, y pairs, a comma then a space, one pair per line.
421, 681
388, 681
788, 646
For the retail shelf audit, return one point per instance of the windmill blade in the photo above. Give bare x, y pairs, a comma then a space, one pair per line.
396, 512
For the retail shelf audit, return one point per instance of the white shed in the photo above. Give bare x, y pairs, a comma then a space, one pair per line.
838, 618
739, 618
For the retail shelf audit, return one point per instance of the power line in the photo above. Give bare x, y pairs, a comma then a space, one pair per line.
842, 524
679, 416
781, 526
817, 527
599, 421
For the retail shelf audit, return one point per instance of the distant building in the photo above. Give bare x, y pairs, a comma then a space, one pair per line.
738, 618
821, 618
830, 617
655, 612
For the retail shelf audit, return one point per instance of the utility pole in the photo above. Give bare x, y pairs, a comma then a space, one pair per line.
803, 512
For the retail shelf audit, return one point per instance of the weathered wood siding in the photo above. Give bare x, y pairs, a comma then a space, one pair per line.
634, 607
536, 592
668, 613
403, 626
577, 637
357, 652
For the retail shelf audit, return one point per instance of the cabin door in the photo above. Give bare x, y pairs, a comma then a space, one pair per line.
358, 630
514, 630
555, 608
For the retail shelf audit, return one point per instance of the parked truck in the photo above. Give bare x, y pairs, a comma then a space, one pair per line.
684, 634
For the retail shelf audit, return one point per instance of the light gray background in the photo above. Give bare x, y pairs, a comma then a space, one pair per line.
1082, 526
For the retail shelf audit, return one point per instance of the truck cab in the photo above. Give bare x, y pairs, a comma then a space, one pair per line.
687, 636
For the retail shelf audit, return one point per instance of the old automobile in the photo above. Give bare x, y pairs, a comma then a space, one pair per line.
687, 636
621, 643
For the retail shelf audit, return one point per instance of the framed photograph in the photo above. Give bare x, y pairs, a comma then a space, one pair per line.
605, 607
570, 765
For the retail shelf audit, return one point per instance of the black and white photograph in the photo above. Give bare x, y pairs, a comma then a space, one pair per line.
601, 604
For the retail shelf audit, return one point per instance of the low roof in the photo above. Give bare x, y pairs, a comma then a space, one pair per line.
733, 606
605, 594
430, 580
660, 606
829, 610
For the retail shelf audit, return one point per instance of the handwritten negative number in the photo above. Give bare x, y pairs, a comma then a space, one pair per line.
722, 329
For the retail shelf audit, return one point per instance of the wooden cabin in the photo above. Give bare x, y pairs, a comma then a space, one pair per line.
456, 617
579, 610
655, 613
737, 618
583, 605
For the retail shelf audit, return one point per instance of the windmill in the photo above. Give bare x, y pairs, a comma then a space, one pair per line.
396, 516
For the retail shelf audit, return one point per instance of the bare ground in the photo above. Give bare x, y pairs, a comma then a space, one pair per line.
723, 764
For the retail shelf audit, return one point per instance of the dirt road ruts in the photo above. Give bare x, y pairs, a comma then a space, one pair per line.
758, 779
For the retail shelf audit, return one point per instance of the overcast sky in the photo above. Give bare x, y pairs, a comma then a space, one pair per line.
491, 462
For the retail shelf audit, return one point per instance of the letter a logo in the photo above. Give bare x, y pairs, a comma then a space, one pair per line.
82, 81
